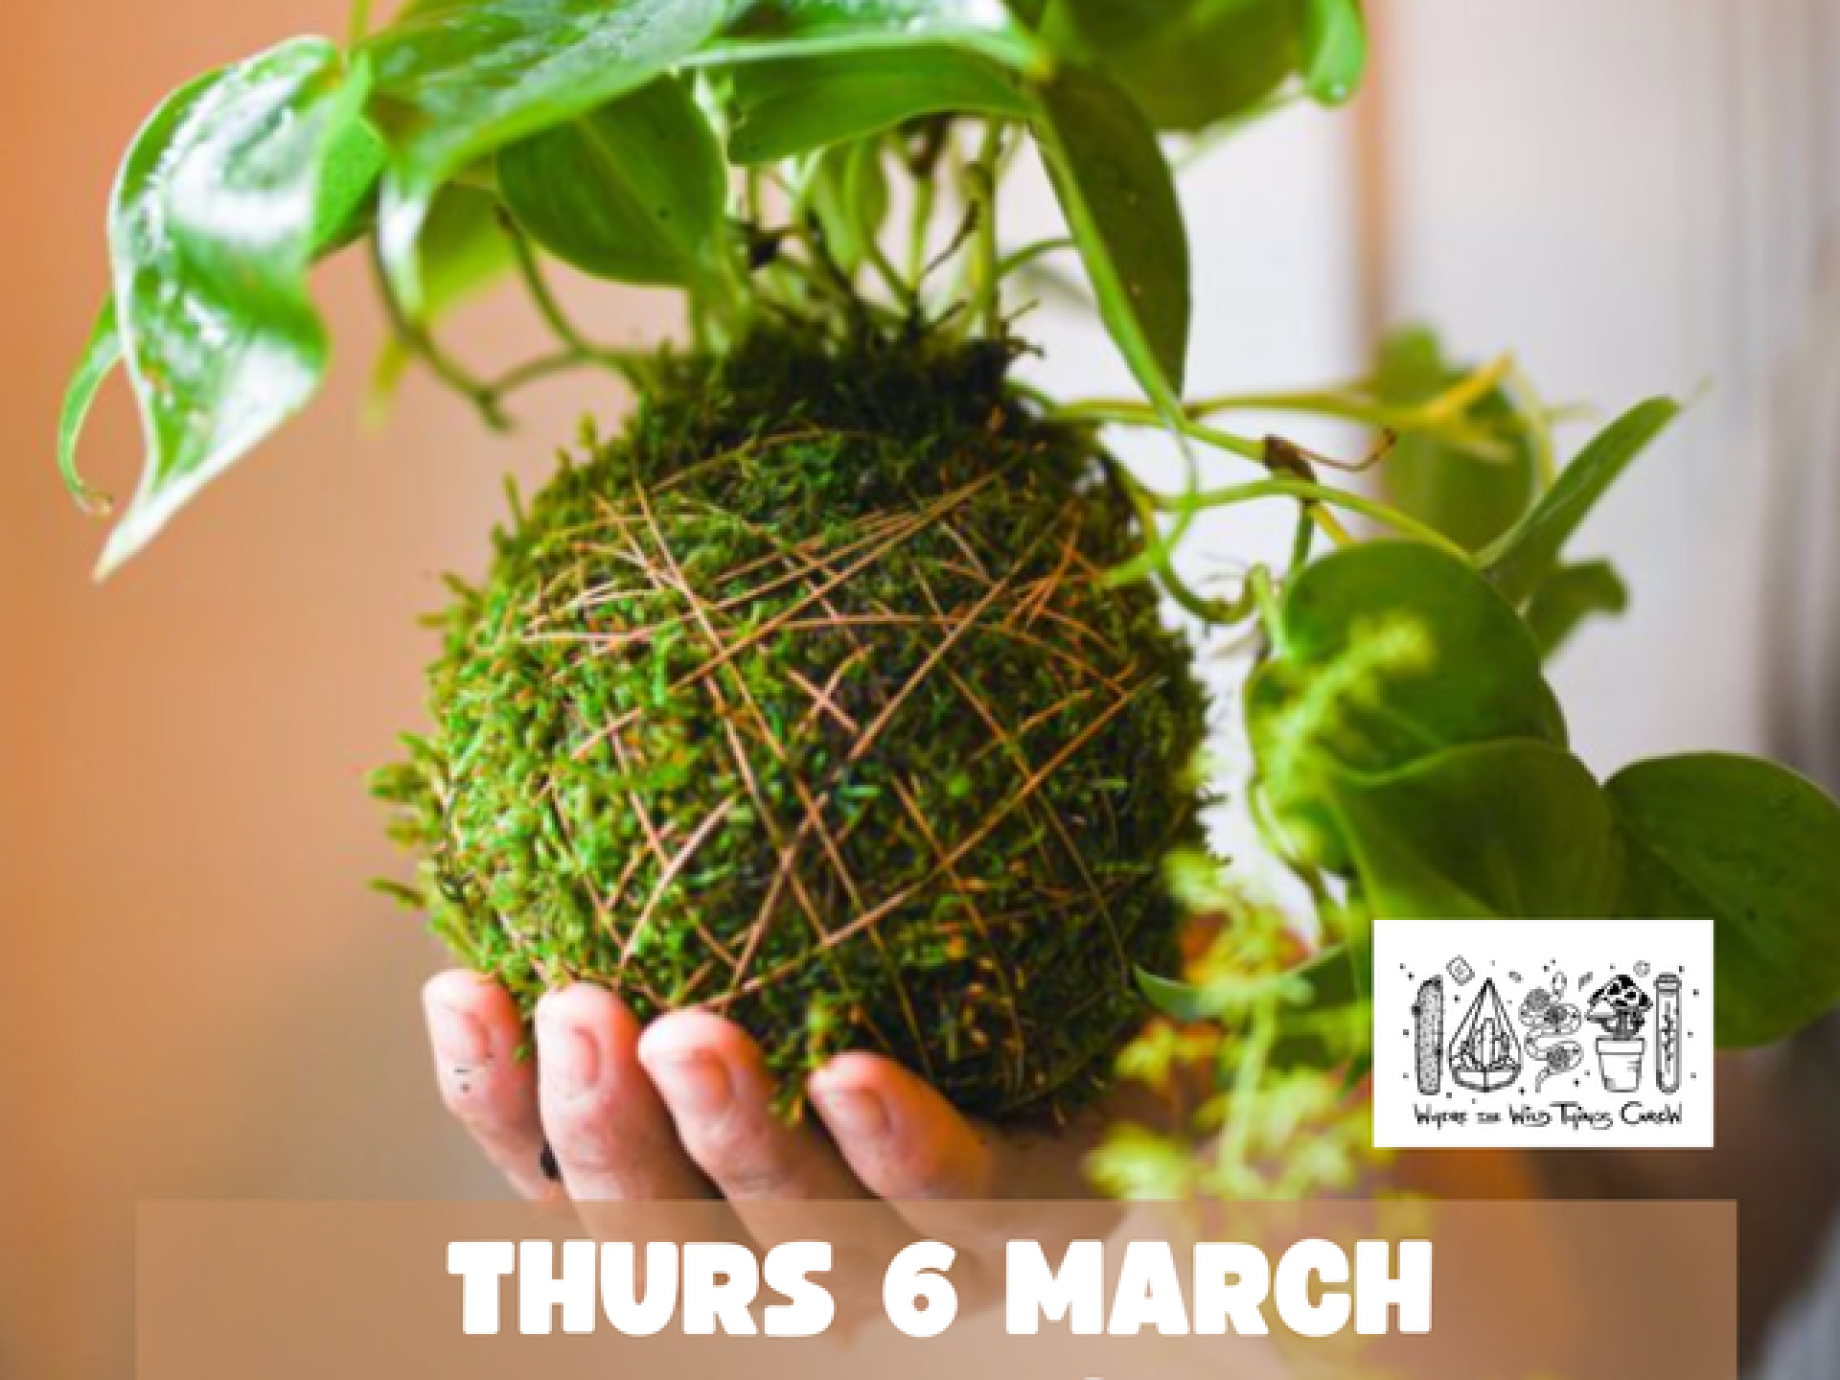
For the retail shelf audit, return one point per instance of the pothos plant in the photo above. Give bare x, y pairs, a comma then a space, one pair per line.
836, 690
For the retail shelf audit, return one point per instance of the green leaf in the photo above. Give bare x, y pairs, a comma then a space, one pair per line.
1119, 199
460, 79
463, 250
633, 191
1334, 49
1471, 499
1189, 64
348, 176
1330, 1024
768, 30
796, 105
1570, 595
1528, 553
849, 195
1753, 847
1178, 1000
1386, 653
1322, 993
211, 234
100, 356
1511, 829
1473, 673
353, 164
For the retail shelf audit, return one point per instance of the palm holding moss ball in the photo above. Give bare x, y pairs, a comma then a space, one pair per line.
805, 701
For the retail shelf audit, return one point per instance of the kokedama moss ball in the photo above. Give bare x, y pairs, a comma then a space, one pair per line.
805, 701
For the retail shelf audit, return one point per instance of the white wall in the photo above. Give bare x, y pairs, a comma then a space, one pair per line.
1629, 194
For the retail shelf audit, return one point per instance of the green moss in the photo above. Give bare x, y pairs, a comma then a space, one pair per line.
803, 701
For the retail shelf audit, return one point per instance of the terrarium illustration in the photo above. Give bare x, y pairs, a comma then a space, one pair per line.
1619, 1006
1485, 1055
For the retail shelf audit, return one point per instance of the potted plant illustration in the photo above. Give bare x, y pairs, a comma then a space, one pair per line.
1619, 1007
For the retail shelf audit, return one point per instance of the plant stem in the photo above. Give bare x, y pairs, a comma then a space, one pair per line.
919, 224
577, 344
1249, 1073
987, 281
1545, 461
1442, 416
358, 23
1128, 413
1154, 560
419, 342
1265, 599
1023, 257
546, 366
1307, 491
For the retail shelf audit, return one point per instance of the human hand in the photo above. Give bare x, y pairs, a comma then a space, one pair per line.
682, 1109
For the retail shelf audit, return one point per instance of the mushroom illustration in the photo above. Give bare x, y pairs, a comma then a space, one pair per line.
1619, 1006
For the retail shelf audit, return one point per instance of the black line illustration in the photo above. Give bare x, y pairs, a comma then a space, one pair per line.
1549, 1021
1428, 1022
1667, 1032
1618, 1006
1485, 1055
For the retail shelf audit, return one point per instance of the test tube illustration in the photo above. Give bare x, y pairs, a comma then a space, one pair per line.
1667, 1032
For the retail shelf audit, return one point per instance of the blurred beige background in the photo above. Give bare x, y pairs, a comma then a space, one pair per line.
198, 995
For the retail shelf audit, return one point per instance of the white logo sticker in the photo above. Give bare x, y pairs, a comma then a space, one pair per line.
1542, 1033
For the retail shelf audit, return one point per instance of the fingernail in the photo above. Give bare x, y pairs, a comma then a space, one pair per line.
459, 1040
858, 1114
696, 1083
571, 1056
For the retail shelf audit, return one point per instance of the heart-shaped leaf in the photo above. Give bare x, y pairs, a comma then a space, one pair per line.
633, 191
1753, 847
1509, 829
1529, 551
1386, 653
211, 232
1474, 674
460, 79
795, 105
1119, 198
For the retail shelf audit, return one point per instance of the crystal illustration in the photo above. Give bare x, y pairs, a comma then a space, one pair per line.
1485, 1055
